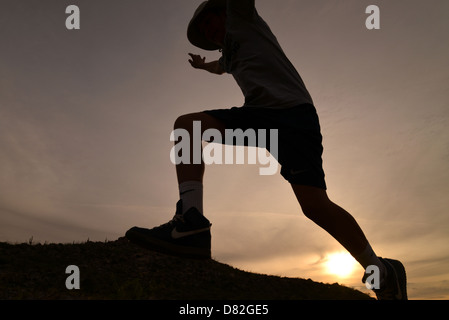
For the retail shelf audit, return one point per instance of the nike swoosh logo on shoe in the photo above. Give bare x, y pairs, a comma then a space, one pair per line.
178, 235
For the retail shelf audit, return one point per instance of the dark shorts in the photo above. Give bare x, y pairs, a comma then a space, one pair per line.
300, 146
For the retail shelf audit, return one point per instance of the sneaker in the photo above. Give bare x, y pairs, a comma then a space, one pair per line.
187, 235
394, 287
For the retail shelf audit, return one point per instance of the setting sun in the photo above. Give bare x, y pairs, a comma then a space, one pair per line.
340, 264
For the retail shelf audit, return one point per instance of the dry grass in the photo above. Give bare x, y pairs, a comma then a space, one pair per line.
121, 270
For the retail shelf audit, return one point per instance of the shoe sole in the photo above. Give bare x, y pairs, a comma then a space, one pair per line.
167, 247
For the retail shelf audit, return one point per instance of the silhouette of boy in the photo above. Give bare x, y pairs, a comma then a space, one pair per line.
275, 98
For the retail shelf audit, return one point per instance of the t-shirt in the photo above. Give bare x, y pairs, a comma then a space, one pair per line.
257, 62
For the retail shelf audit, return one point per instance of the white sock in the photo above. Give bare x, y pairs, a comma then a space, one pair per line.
367, 257
191, 194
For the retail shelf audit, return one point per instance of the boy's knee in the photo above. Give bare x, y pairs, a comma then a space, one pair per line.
184, 122
314, 202
321, 212
206, 121
311, 212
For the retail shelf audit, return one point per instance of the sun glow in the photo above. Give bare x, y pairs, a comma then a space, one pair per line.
341, 264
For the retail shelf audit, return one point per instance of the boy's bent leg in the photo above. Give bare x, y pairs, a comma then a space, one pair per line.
190, 173
195, 171
188, 233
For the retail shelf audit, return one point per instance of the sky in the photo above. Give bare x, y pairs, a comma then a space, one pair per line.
86, 117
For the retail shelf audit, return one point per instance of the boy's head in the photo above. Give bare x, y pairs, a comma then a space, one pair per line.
207, 28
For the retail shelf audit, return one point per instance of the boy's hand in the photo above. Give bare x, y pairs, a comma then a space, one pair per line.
197, 61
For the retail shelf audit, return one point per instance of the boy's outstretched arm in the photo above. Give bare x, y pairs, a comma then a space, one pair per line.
199, 62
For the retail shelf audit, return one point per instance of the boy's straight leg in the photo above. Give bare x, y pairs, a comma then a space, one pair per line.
317, 206
339, 223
